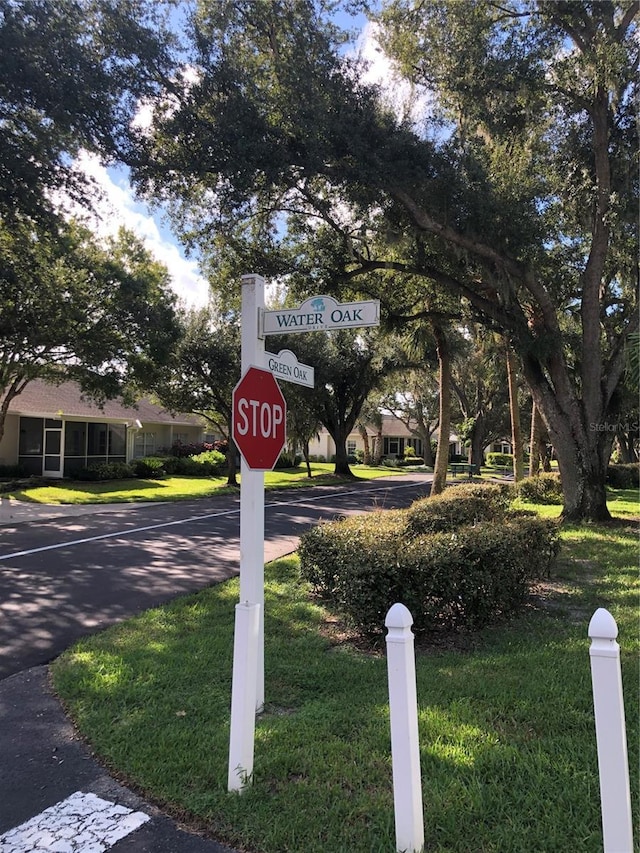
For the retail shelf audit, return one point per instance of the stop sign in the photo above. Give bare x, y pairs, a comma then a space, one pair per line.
259, 419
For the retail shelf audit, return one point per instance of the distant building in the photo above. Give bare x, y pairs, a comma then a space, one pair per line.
52, 430
396, 438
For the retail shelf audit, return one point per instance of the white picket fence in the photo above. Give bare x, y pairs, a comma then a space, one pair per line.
613, 763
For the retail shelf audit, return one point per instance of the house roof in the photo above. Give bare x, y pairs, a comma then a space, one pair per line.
44, 399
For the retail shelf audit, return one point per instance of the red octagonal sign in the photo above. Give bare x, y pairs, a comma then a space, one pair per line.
259, 419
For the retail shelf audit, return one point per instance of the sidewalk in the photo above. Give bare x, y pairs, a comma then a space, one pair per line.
17, 512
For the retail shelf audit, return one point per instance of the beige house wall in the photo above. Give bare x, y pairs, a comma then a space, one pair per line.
9, 443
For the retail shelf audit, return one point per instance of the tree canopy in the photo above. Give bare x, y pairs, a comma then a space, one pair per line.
71, 77
73, 308
517, 195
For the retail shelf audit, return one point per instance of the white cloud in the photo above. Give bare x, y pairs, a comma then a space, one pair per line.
407, 101
115, 205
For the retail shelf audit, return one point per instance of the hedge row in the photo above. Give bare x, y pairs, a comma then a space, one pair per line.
546, 487
211, 463
449, 575
624, 475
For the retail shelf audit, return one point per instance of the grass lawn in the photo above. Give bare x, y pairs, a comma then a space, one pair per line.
182, 488
506, 718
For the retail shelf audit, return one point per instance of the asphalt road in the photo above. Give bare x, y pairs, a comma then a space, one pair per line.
63, 578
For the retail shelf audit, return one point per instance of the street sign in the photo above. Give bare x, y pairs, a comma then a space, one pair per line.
258, 428
285, 365
320, 313
259, 419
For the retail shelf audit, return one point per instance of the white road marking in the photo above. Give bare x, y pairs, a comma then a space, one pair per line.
119, 533
83, 823
115, 534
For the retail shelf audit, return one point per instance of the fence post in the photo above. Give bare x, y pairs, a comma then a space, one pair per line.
405, 749
611, 738
243, 696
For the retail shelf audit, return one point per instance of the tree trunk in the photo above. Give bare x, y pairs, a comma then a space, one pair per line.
581, 447
232, 469
427, 452
379, 446
478, 441
305, 455
514, 409
626, 447
9, 393
442, 453
341, 468
583, 483
535, 441
366, 459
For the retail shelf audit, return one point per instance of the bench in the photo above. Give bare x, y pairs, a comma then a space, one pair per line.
463, 468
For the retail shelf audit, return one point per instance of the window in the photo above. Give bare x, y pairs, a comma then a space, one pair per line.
75, 439
145, 444
393, 446
97, 440
117, 439
180, 438
351, 447
31, 435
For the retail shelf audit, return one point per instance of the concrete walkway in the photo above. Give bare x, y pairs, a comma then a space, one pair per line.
16, 512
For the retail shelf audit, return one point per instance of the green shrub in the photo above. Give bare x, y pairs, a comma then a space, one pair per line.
495, 460
339, 556
544, 488
410, 461
100, 471
149, 467
12, 471
624, 475
458, 505
211, 463
409, 451
448, 580
287, 460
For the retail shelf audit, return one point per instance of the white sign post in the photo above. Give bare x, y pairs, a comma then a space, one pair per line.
316, 314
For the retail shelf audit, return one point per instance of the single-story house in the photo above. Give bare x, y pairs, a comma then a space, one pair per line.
53, 430
396, 437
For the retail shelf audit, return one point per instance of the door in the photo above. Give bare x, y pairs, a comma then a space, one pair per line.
53, 457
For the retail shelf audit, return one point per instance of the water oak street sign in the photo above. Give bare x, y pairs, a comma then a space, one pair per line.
320, 313
285, 365
259, 418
